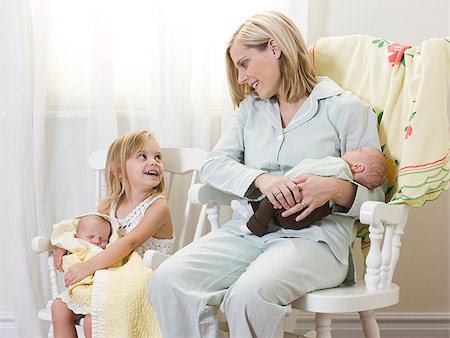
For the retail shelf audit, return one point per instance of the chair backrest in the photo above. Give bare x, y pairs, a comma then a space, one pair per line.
181, 166
183, 162
410, 104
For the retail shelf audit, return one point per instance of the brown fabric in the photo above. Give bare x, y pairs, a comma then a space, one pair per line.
264, 212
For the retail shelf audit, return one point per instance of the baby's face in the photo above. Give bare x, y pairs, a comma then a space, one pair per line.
95, 230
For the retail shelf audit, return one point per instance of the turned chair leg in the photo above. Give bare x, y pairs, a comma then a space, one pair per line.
369, 324
323, 325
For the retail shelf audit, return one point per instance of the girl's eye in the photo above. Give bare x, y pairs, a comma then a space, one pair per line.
142, 156
158, 158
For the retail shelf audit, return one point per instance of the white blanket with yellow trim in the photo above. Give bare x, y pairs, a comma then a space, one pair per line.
407, 88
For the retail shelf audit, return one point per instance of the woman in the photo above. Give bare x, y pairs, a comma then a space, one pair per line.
285, 115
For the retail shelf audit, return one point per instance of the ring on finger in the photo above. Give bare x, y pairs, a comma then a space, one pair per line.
302, 204
276, 193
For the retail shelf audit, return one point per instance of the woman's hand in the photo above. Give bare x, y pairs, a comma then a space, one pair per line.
77, 272
281, 191
318, 190
57, 258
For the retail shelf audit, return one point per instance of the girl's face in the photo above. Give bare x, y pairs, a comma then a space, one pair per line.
257, 68
144, 168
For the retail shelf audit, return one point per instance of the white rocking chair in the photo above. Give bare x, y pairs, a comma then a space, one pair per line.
376, 70
376, 291
177, 162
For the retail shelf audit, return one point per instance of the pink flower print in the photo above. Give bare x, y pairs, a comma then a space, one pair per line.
408, 130
396, 51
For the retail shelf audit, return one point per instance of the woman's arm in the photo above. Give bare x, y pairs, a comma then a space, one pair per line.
318, 190
224, 167
154, 218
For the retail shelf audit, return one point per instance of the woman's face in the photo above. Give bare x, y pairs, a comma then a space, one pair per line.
257, 68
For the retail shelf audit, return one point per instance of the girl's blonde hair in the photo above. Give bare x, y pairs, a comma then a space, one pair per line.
118, 153
297, 70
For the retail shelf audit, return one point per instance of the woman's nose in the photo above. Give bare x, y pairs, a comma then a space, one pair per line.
242, 77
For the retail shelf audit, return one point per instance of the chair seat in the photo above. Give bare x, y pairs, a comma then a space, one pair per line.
348, 299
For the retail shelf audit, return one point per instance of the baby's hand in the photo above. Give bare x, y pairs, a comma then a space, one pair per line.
57, 258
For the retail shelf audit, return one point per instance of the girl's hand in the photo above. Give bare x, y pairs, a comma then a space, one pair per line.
77, 272
281, 191
57, 258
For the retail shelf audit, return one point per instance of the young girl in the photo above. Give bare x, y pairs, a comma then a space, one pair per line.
135, 196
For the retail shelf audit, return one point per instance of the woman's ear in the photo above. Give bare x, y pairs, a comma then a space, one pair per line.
117, 173
274, 48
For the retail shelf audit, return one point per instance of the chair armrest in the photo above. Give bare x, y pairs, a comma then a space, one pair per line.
374, 212
386, 225
153, 259
201, 193
41, 244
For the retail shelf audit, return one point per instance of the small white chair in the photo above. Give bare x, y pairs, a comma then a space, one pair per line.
181, 168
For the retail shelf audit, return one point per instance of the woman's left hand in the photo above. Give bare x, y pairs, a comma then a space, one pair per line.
316, 191
76, 273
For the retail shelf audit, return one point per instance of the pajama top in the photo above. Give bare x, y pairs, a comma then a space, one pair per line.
330, 122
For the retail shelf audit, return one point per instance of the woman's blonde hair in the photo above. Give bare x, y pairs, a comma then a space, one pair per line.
118, 153
297, 70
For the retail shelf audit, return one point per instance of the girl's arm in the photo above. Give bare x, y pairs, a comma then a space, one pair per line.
57, 258
156, 216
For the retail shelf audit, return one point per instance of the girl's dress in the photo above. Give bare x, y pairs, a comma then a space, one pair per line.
128, 223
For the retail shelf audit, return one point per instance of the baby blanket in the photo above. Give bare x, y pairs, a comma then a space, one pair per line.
115, 297
407, 88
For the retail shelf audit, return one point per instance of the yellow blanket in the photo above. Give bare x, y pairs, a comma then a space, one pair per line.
120, 307
407, 88
116, 297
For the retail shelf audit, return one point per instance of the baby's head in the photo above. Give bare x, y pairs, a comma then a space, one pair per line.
94, 229
368, 166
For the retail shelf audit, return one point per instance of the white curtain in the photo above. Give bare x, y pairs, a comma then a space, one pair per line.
76, 74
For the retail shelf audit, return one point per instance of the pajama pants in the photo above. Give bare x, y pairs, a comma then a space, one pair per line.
252, 279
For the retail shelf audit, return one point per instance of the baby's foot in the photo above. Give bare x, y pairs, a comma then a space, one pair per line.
242, 208
245, 210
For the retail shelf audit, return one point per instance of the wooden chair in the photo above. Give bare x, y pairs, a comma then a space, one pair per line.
376, 70
181, 170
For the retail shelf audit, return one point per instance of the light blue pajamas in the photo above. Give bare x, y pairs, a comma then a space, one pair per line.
254, 279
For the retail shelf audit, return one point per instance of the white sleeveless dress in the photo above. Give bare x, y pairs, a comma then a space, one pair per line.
166, 246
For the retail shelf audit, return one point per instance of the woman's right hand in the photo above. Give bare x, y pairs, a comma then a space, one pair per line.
57, 258
281, 191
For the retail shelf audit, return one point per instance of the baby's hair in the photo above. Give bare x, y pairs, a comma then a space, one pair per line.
81, 224
376, 168
118, 153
